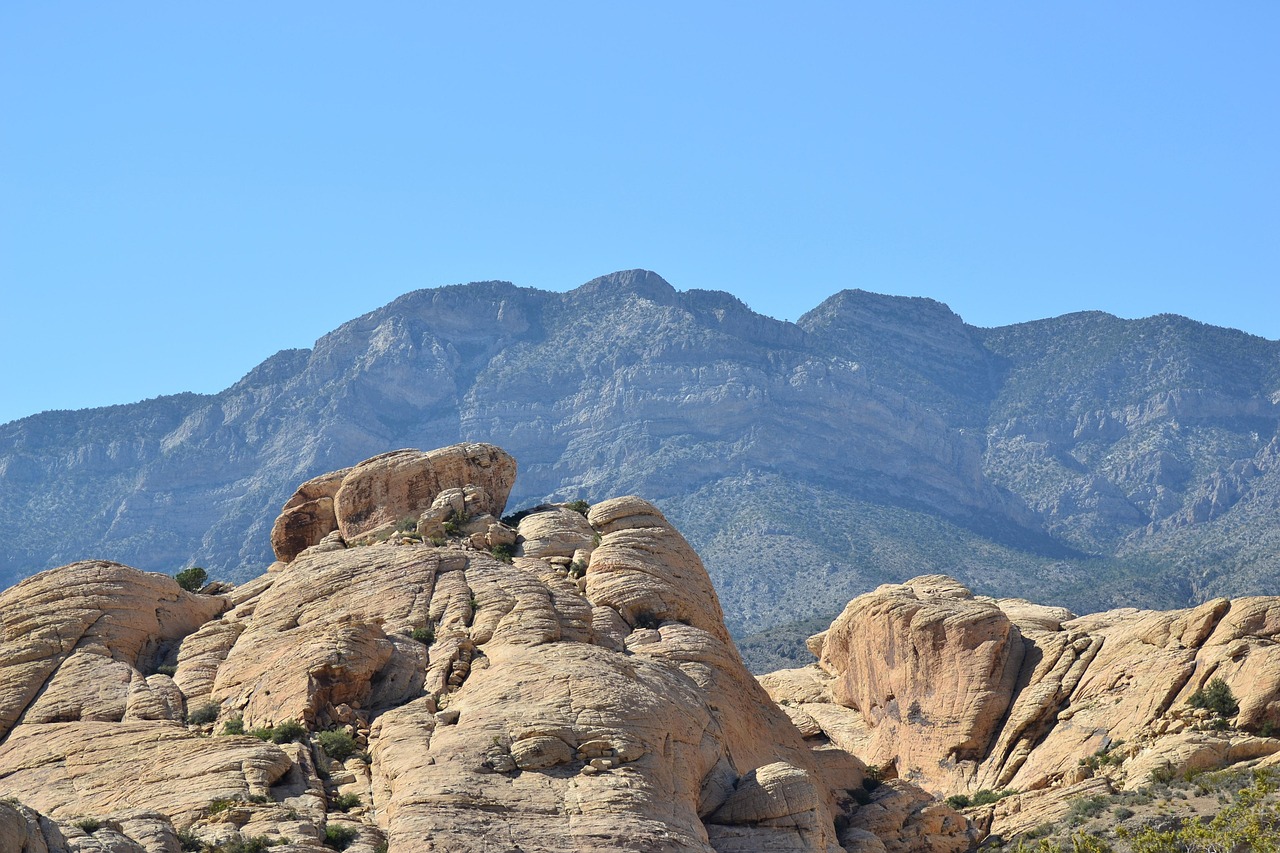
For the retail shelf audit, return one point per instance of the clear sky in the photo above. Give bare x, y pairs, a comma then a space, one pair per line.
186, 188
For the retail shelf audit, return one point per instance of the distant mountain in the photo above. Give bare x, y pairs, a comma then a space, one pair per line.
1084, 460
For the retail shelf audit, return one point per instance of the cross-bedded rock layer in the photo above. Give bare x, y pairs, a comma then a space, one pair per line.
960, 693
582, 694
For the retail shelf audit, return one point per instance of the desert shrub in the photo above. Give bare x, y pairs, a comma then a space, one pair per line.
1087, 807
256, 844
339, 837
475, 603
233, 726
286, 731
1122, 813
88, 824
577, 569
425, 635
1216, 697
219, 805
438, 541
407, 525
452, 528
192, 579
578, 506
203, 715
189, 841
986, 796
959, 801
167, 669
337, 744
345, 802
501, 553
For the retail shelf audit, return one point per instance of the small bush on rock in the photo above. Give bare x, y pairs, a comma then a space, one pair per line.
339, 837
345, 802
192, 579
233, 726
88, 824
284, 732
203, 715
425, 635
337, 744
578, 506
1216, 697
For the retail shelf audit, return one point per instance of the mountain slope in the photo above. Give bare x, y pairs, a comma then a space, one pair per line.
1086, 459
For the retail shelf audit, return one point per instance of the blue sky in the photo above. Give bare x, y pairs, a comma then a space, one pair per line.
187, 188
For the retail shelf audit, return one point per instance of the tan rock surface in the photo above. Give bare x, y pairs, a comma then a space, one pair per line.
959, 693
102, 623
543, 704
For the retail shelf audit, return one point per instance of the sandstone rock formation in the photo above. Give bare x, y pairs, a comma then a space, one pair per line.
581, 695
959, 693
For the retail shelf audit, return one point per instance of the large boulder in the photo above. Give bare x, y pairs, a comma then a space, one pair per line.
388, 489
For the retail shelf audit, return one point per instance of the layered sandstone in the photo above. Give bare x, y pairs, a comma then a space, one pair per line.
960, 693
581, 695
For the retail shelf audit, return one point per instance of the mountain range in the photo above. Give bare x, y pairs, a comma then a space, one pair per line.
1086, 461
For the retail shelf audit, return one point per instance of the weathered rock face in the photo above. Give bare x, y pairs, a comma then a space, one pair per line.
581, 696
960, 693
388, 489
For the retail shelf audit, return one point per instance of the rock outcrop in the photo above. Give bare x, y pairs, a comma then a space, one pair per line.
960, 693
576, 690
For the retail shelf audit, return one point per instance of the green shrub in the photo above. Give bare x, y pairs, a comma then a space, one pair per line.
1216, 697
475, 603
345, 802
986, 796
257, 844
501, 553
1122, 813
407, 525
577, 569
233, 726
337, 744
339, 837
167, 669
192, 579
189, 841
88, 824
959, 801
425, 635
203, 715
282, 732
1087, 807
219, 805
452, 528
578, 506
438, 541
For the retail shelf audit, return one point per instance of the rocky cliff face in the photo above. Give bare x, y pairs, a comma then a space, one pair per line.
960, 693
1086, 460
420, 676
